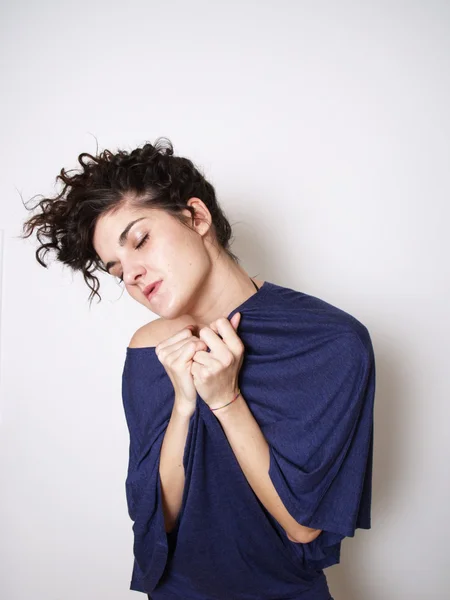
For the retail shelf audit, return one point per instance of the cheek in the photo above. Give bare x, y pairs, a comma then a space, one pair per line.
171, 255
135, 293
174, 240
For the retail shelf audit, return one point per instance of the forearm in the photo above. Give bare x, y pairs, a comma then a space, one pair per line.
171, 468
252, 452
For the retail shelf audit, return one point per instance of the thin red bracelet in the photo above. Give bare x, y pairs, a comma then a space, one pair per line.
228, 402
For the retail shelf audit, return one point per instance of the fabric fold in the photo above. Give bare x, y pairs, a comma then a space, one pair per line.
147, 419
321, 458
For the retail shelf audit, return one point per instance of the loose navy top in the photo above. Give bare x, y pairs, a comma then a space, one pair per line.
308, 377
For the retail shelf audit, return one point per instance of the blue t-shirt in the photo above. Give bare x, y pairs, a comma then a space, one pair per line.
308, 377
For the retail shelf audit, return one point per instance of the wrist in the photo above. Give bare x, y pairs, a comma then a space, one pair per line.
183, 409
223, 405
233, 414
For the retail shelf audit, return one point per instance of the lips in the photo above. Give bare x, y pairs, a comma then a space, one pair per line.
151, 288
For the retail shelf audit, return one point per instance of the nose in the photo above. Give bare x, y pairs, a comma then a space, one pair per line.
133, 273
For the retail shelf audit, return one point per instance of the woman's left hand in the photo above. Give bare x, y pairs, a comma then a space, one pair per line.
216, 373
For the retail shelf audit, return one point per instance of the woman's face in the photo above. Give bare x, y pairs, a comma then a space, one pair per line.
156, 247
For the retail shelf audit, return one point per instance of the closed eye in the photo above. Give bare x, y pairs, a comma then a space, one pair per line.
138, 247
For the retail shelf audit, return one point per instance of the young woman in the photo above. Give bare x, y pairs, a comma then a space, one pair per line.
249, 404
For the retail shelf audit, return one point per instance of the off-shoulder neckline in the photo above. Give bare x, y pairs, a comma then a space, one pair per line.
253, 298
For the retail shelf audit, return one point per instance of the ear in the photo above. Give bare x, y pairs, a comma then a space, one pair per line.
202, 217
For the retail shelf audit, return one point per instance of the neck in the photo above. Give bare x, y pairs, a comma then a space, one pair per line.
226, 286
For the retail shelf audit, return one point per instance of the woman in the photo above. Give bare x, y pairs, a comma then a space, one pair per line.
249, 404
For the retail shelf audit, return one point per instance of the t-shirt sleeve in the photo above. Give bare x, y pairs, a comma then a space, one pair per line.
321, 456
147, 418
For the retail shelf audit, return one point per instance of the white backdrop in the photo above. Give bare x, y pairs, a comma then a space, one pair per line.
325, 128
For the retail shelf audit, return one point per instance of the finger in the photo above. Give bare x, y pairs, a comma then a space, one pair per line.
187, 350
205, 359
178, 346
234, 321
217, 347
228, 333
211, 365
180, 335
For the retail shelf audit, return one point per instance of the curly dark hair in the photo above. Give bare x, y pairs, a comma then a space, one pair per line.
147, 177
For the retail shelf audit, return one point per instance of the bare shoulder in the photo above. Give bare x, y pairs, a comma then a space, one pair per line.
151, 334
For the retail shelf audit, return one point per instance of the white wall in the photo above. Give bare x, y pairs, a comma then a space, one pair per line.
325, 128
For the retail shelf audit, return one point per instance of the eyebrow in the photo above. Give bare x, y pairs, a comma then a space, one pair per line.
122, 240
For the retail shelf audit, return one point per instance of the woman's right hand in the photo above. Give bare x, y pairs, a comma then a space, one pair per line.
175, 354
